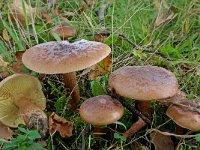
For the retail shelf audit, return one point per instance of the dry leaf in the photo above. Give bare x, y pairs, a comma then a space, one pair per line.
17, 65
18, 12
161, 141
2, 62
164, 17
5, 35
100, 69
47, 17
57, 123
5, 132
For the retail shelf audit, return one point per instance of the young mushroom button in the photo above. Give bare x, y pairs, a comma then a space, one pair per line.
65, 58
22, 102
101, 110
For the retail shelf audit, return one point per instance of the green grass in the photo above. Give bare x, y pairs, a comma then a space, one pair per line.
178, 40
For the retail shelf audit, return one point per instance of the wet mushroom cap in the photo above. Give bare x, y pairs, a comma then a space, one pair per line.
13, 87
64, 31
64, 57
186, 114
143, 82
101, 110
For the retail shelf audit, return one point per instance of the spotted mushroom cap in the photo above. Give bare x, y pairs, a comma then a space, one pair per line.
101, 110
186, 114
143, 82
64, 57
64, 31
13, 87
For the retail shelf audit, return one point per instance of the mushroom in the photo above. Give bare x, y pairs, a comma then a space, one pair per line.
186, 114
64, 31
143, 83
22, 102
65, 58
5, 132
101, 110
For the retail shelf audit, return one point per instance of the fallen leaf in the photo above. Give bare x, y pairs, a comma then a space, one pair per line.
166, 16
5, 132
161, 141
100, 69
2, 62
17, 65
18, 11
60, 124
5, 35
47, 17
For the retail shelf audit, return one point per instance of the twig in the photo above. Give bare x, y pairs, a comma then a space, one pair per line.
132, 109
101, 13
147, 50
135, 128
171, 134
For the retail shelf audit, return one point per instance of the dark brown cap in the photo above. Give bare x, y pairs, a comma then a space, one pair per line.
143, 82
101, 110
64, 57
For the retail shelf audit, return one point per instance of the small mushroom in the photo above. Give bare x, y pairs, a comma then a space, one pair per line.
186, 114
101, 110
5, 132
64, 31
143, 83
18, 11
65, 58
22, 102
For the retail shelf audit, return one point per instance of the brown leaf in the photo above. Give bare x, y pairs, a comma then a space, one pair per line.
17, 65
18, 11
57, 123
5, 132
161, 141
166, 16
47, 17
100, 69
5, 35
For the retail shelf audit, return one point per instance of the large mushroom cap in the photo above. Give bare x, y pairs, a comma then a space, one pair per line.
144, 82
12, 88
101, 110
63, 57
186, 114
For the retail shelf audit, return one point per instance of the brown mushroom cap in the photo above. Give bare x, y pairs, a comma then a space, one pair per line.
5, 132
144, 82
63, 57
186, 114
64, 31
13, 87
101, 110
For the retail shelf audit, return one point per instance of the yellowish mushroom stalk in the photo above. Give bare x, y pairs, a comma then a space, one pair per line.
22, 102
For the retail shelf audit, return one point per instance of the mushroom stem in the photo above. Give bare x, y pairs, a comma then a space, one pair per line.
135, 128
144, 107
33, 116
70, 82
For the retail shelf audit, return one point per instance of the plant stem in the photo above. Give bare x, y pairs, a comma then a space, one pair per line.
70, 82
